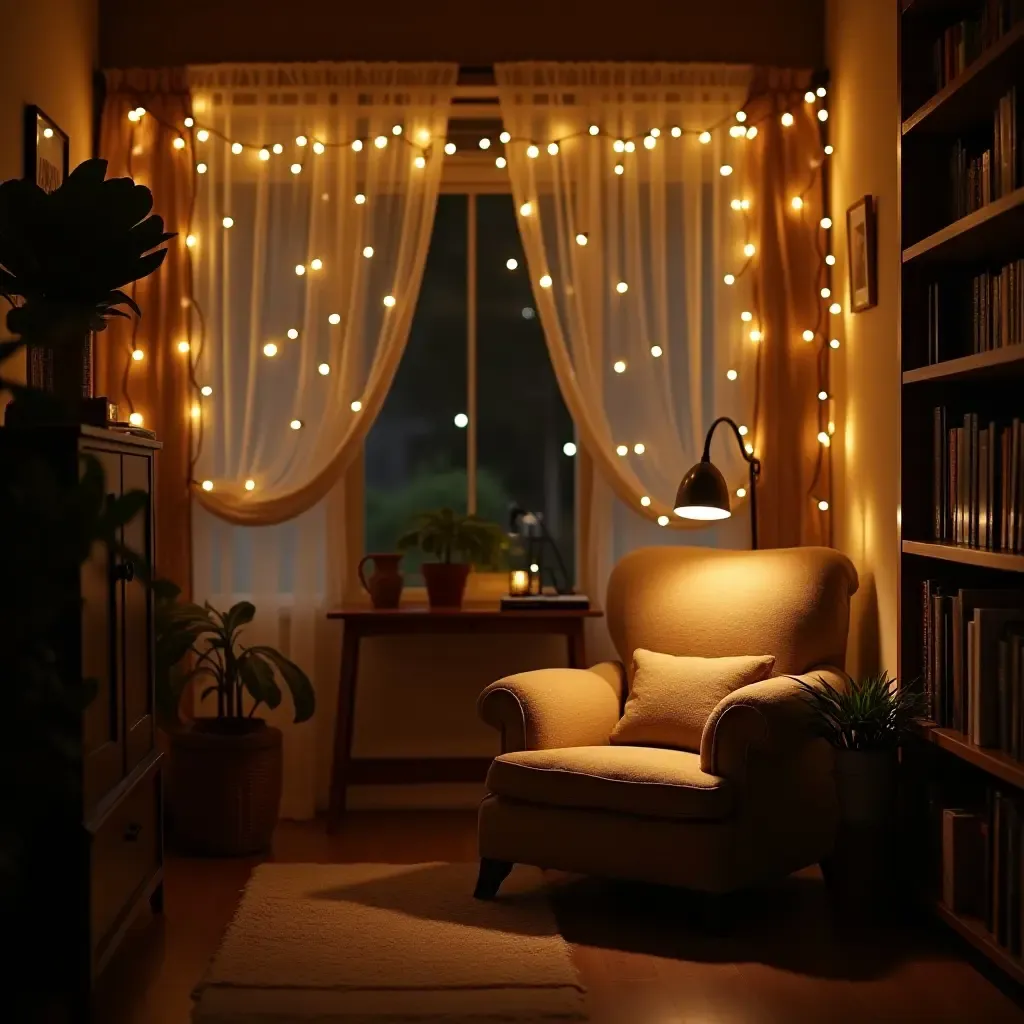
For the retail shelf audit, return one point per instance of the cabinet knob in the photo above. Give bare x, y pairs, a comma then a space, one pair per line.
132, 831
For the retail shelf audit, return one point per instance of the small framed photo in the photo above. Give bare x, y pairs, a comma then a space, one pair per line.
47, 150
862, 255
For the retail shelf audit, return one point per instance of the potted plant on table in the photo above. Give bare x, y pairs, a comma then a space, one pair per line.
224, 777
458, 542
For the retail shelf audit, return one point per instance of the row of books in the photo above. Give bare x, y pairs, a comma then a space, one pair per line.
977, 482
962, 43
985, 168
989, 309
983, 866
973, 658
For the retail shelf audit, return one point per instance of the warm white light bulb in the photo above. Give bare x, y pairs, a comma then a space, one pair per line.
190, 241
449, 148
746, 316
389, 301
356, 405
526, 209
826, 222
316, 264
650, 142
296, 168
622, 451
396, 129
749, 250
656, 351
206, 391
655, 132
318, 147
630, 146
359, 199
301, 140
824, 439
830, 260
334, 318
277, 148
619, 146
569, 449
834, 343
821, 91
808, 335
676, 131
828, 150
826, 292
138, 355
725, 170
228, 222
663, 520
485, 143
619, 366
184, 346
581, 238
207, 485
737, 131
419, 163
532, 152
736, 204
743, 431
741, 492
553, 148
752, 132
594, 130
731, 374
461, 420
299, 269
645, 501
178, 143
295, 424
787, 120
809, 96
511, 263
835, 309
195, 411
188, 122
381, 141
201, 168
202, 135
704, 138
729, 279
822, 115
619, 169
236, 148
796, 202
135, 419
293, 333
639, 449
822, 396
745, 204
823, 505
755, 335
622, 287
323, 369
367, 251
250, 485
500, 162
748, 448
270, 350
545, 281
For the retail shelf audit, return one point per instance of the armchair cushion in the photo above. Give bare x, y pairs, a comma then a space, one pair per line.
644, 781
671, 698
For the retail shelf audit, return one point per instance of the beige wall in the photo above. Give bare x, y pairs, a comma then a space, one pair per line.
49, 52
861, 50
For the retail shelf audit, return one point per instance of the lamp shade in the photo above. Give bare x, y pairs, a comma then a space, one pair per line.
703, 494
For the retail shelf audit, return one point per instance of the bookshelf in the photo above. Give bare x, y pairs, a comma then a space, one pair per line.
956, 76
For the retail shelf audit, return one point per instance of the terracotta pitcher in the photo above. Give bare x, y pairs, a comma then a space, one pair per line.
385, 583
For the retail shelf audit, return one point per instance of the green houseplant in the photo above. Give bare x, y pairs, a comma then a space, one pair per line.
224, 779
457, 542
865, 723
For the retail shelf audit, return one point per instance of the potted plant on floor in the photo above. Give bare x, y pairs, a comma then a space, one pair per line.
224, 776
458, 542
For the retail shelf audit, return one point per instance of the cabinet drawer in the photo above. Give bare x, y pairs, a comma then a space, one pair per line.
125, 853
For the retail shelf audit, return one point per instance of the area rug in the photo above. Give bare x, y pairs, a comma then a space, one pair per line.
389, 943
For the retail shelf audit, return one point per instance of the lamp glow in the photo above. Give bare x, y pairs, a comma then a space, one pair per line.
746, 316
178, 143
381, 141
264, 154
419, 163
316, 264
756, 335
796, 202
835, 309
749, 250
808, 335
553, 148
202, 135
135, 419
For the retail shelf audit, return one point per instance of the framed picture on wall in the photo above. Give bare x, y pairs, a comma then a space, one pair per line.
47, 150
862, 254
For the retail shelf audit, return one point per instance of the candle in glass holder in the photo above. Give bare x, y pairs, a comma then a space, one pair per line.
518, 582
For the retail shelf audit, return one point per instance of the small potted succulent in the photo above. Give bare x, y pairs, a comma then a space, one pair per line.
224, 776
458, 542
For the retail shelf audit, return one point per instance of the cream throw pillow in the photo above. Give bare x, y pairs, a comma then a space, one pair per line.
670, 698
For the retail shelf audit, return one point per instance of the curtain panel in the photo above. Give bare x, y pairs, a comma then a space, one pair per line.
155, 384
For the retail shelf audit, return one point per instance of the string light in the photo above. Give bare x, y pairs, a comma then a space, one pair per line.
619, 169
725, 170
748, 448
822, 396
511, 264
485, 143
270, 350
334, 318
645, 501
741, 116
619, 146
449, 148
359, 199
704, 138
381, 141
619, 366
419, 163
622, 287
250, 485
461, 420
138, 355
553, 148
278, 148
822, 115
581, 238
787, 120
135, 419
822, 505
323, 369
749, 250
569, 449
178, 143
835, 309
368, 251
295, 424
809, 96
202, 135
821, 91
532, 151
500, 163
826, 222
639, 449
650, 142
826, 292
184, 346
188, 122
741, 492
752, 134
656, 351
526, 209
828, 150
356, 405
736, 205
622, 451
389, 301
808, 335
742, 430
318, 147
301, 140
824, 439
201, 168
190, 241
594, 130
676, 131
731, 374
737, 131
830, 260
545, 281
228, 222
504, 138
834, 343
396, 129
746, 316
756, 335
206, 391
236, 148
195, 410
663, 520
423, 135
729, 279
655, 132
299, 269
293, 333
630, 146
207, 485
797, 202
316, 264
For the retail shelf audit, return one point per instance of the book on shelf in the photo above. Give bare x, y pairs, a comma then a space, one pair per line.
982, 874
966, 40
973, 663
977, 482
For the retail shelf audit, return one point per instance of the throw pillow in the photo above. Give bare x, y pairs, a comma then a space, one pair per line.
670, 699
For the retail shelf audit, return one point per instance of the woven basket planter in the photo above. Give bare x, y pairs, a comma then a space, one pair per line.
224, 787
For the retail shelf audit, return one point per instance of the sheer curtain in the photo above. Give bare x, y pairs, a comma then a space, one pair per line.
317, 186
630, 227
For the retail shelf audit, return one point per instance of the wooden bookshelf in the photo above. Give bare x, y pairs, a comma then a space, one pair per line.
965, 556
997, 363
944, 764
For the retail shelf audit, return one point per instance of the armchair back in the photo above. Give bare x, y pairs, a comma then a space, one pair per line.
704, 602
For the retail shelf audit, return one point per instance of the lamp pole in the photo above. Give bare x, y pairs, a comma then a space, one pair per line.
753, 462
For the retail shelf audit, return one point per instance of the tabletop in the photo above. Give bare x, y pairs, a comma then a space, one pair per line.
477, 614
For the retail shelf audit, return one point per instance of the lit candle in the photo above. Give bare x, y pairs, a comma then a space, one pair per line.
518, 582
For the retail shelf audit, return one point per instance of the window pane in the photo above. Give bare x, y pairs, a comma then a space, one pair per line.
522, 422
415, 452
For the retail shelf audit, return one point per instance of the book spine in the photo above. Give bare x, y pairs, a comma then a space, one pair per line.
927, 644
938, 473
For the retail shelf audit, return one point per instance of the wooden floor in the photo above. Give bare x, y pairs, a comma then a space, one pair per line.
636, 949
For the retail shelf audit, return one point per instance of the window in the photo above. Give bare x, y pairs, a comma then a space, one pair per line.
474, 419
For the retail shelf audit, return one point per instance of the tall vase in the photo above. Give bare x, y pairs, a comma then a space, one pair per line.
385, 582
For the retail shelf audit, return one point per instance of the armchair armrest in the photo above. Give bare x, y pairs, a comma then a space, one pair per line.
554, 707
771, 716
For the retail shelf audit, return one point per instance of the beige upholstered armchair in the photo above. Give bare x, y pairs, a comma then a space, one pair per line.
755, 801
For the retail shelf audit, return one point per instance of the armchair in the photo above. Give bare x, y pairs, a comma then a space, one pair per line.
754, 802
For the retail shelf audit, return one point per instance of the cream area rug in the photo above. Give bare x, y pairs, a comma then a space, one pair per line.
350, 943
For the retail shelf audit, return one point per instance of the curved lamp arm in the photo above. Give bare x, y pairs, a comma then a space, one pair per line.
751, 460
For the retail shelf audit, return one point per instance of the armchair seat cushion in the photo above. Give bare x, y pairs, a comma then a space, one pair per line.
643, 781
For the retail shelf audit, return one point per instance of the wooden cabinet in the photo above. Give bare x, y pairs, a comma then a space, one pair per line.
96, 872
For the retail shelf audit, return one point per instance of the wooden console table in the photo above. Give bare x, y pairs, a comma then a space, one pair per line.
362, 621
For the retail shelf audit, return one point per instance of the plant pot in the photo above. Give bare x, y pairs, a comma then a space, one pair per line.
224, 786
866, 785
385, 583
446, 583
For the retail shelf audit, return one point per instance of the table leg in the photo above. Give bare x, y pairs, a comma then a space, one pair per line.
577, 645
344, 723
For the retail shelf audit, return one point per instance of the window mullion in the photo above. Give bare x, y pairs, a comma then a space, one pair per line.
471, 355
